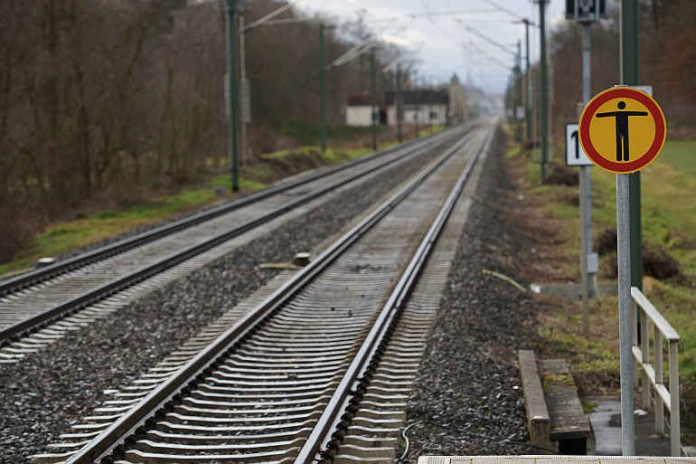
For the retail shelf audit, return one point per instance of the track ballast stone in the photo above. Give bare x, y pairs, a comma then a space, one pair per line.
43, 395
468, 398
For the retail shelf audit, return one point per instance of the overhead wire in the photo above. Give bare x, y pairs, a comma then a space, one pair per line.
503, 9
481, 57
489, 40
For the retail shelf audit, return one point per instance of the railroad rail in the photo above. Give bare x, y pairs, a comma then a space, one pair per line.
279, 384
52, 293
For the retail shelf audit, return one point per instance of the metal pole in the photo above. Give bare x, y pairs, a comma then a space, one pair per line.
232, 92
518, 85
245, 89
322, 89
511, 102
399, 106
417, 118
630, 76
373, 91
628, 233
544, 91
586, 195
623, 249
528, 85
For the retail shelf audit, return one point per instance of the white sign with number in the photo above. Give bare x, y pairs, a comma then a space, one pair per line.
575, 155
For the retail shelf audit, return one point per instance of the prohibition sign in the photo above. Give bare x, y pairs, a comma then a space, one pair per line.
622, 130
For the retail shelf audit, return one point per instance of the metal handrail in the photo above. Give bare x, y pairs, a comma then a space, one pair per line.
652, 374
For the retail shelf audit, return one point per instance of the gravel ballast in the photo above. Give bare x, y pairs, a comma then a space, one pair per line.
41, 396
468, 398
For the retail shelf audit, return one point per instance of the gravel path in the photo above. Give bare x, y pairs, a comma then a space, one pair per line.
41, 396
468, 387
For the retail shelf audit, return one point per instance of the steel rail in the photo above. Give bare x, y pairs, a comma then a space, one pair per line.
327, 434
97, 294
36, 276
103, 446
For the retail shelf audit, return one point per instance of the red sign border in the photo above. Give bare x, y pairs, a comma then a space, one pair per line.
653, 109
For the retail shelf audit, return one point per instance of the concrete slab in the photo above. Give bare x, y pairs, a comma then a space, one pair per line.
606, 424
550, 460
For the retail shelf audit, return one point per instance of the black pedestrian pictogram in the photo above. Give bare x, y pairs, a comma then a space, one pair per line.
622, 128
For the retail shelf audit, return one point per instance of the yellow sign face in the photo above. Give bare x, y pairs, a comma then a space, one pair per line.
622, 130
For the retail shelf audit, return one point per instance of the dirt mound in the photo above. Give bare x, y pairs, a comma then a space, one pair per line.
605, 243
657, 263
561, 175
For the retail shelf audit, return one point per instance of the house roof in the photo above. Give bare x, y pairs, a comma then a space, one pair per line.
421, 97
359, 99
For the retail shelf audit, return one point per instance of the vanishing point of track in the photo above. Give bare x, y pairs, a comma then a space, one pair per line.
283, 383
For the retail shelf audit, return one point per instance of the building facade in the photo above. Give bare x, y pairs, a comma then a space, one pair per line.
359, 110
420, 107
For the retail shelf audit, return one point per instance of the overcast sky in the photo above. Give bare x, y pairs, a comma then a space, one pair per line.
442, 42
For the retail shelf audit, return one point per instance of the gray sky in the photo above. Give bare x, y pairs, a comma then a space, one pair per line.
442, 43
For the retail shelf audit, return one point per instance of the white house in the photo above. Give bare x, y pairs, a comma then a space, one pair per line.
420, 107
359, 110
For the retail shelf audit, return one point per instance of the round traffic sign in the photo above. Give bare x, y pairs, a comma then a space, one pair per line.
622, 130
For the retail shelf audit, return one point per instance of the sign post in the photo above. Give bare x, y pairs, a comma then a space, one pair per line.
589, 262
586, 195
629, 76
586, 12
622, 130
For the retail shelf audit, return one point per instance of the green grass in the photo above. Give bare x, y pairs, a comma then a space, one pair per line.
669, 222
311, 135
668, 202
69, 235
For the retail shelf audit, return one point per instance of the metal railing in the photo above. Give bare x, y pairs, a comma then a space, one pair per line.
652, 374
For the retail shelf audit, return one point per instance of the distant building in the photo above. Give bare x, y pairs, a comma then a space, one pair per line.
420, 106
359, 110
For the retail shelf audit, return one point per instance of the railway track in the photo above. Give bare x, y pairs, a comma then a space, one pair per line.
41, 306
294, 379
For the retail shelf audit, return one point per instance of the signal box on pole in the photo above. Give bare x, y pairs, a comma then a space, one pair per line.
586, 11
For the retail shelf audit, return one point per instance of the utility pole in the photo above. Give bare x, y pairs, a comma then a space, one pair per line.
399, 106
630, 76
518, 85
528, 84
373, 92
628, 223
544, 91
322, 88
245, 104
233, 100
511, 102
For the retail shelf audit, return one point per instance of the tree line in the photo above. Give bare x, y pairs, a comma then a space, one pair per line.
103, 102
667, 61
